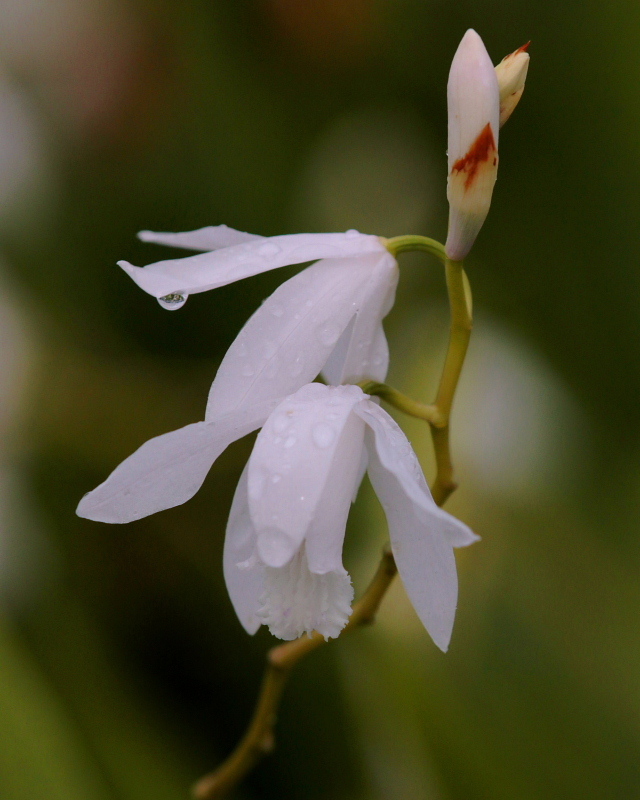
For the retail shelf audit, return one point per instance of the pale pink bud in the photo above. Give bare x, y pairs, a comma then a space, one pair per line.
512, 73
474, 111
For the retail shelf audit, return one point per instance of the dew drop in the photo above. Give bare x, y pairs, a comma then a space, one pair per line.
255, 485
277, 311
323, 435
269, 250
329, 333
290, 441
281, 422
276, 478
241, 350
297, 366
352, 233
269, 348
172, 302
247, 370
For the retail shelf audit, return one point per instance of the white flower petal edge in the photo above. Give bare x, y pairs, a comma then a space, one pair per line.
473, 99
422, 535
287, 526
219, 267
288, 340
213, 237
169, 469
243, 572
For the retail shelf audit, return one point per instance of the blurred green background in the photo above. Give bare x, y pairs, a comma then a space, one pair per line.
124, 674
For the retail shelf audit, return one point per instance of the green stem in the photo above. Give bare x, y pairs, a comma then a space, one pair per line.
460, 331
259, 738
404, 244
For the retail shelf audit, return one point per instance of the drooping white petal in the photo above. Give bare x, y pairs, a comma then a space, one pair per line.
297, 601
287, 341
473, 99
325, 535
213, 237
362, 352
294, 460
167, 470
243, 571
422, 535
213, 269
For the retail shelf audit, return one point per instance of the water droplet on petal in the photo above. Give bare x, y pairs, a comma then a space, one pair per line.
172, 302
281, 422
255, 485
276, 478
247, 370
323, 435
241, 350
269, 348
269, 250
290, 441
352, 233
297, 366
329, 333
277, 311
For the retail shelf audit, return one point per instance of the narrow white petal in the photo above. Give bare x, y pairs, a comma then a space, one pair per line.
422, 535
213, 269
243, 571
167, 470
213, 237
473, 98
325, 534
287, 341
296, 601
362, 352
291, 467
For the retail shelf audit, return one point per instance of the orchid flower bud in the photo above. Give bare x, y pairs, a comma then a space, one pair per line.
512, 73
473, 100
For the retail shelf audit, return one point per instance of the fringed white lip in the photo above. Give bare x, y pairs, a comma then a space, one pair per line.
296, 601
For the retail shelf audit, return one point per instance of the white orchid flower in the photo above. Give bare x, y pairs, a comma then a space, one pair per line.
283, 549
333, 308
473, 98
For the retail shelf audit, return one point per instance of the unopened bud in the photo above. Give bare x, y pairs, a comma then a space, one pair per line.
473, 100
512, 73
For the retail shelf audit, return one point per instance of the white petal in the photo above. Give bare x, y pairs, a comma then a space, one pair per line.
306, 440
362, 352
220, 267
473, 100
213, 237
422, 535
287, 341
167, 470
243, 571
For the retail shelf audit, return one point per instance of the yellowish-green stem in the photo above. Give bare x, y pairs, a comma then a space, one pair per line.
259, 738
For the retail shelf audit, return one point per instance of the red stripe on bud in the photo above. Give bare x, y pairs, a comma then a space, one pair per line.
481, 152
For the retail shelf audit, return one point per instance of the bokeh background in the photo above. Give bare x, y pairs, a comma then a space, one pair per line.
124, 674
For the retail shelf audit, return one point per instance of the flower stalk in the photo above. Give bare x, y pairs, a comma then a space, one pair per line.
259, 739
